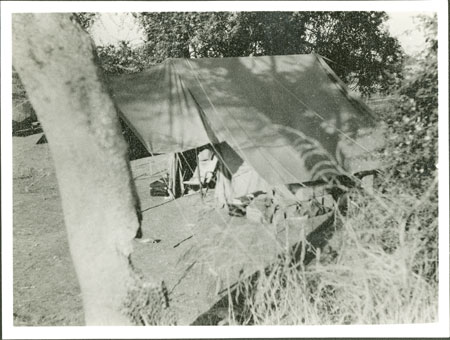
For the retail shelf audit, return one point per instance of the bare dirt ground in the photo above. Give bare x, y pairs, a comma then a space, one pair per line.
46, 291
199, 250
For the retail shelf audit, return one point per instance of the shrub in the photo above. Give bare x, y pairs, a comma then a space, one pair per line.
411, 152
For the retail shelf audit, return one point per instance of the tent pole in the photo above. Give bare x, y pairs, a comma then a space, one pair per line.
198, 173
180, 173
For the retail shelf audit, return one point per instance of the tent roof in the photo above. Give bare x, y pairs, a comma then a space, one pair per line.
290, 116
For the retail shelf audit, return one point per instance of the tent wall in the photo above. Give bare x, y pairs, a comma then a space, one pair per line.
283, 115
160, 110
288, 117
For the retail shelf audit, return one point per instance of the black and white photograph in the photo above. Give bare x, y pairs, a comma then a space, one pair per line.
245, 164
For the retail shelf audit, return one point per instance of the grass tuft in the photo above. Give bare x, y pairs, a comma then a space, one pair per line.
147, 305
380, 267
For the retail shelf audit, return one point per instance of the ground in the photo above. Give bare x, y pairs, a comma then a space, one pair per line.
46, 291
190, 244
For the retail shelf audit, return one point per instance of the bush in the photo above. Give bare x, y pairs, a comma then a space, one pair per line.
122, 58
411, 152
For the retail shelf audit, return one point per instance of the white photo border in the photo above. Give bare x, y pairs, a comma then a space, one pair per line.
439, 329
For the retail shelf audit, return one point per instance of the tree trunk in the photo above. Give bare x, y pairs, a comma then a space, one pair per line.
55, 60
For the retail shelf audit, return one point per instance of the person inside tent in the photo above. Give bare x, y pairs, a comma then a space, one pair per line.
203, 175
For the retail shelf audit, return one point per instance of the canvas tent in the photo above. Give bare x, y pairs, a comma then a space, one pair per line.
289, 118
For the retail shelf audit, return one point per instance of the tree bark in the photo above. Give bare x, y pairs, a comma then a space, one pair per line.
56, 63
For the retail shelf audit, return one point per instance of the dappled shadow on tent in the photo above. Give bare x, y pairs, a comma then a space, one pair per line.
282, 114
159, 109
289, 117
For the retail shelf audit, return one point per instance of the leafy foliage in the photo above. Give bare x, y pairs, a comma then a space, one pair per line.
84, 19
22, 112
18, 90
122, 58
114, 59
413, 129
363, 52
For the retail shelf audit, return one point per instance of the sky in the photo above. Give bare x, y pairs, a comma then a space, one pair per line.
113, 27
403, 26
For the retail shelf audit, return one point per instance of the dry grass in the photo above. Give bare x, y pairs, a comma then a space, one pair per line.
380, 267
